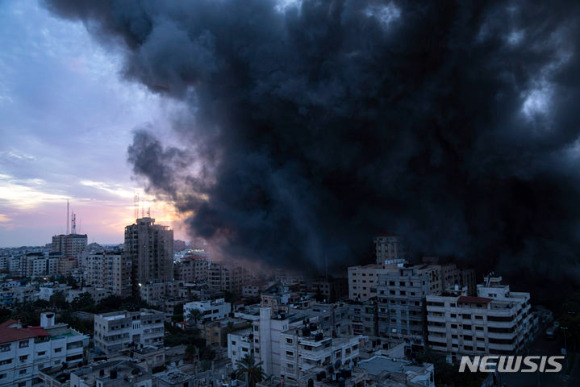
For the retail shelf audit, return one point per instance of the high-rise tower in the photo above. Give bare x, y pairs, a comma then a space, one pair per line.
150, 248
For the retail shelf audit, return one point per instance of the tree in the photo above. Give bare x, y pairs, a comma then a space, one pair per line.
247, 367
84, 301
58, 300
193, 317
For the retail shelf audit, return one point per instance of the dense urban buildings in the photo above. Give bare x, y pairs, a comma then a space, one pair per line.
323, 328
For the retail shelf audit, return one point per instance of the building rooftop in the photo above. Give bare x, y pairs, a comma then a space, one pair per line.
473, 300
12, 330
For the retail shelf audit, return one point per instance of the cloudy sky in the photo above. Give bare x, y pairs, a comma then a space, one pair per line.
66, 119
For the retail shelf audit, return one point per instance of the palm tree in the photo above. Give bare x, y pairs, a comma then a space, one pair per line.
247, 366
193, 318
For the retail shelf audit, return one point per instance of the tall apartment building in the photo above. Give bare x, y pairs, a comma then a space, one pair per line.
363, 280
70, 246
110, 270
401, 301
26, 350
497, 321
192, 268
149, 247
116, 331
227, 278
388, 248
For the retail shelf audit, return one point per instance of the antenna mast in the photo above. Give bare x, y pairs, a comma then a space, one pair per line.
136, 206
67, 215
74, 223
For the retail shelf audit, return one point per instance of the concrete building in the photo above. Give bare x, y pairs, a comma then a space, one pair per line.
192, 267
330, 289
291, 344
115, 373
26, 350
388, 248
303, 349
110, 270
116, 331
70, 246
385, 371
497, 321
401, 301
211, 310
364, 318
149, 247
363, 280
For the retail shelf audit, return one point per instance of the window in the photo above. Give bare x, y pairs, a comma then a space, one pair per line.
289, 341
57, 350
22, 372
23, 344
23, 357
7, 361
5, 347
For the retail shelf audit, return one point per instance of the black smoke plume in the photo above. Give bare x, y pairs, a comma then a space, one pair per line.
314, 125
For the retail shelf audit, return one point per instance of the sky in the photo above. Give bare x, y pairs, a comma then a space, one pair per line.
66, 120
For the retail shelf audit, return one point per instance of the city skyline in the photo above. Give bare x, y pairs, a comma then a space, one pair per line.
69, 144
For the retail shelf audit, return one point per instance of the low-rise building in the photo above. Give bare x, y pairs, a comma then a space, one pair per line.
26, 350
116, 331
211, 310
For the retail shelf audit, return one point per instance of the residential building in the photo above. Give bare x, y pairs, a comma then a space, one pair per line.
149, 247
401, 301
193, 267
116, 331
388, 249
211, 310
496, 321
70, 246
110, 270
363, 280
114, 373
26, 350
289, 345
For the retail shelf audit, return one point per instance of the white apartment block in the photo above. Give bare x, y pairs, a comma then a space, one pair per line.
363, 280
302, 350
290, 345
388, 248
497, 321
116, 331
24, 351
211, 310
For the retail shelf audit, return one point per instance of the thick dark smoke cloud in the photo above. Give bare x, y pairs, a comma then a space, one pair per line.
315, 125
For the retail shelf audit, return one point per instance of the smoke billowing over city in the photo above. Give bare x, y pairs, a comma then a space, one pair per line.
314, 125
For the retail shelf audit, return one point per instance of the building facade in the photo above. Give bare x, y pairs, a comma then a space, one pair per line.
149, 247
496, 321
116, 331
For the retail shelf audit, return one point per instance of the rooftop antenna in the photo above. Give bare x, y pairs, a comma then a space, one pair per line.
74, 223
136, 205
67, 215
149, 212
